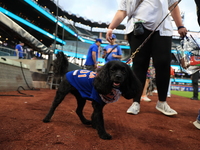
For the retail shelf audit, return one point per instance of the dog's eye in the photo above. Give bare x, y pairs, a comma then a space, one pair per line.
123, 71
112, 70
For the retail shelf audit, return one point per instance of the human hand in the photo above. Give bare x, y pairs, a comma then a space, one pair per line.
182, 32
95, 66
113, 55
109, 35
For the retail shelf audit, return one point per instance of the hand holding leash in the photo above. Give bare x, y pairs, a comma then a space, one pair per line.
182, 31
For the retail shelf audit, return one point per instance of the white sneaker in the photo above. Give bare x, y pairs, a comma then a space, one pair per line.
197, 124
155, 91
168, 95
134, 108
165, 108
145, 98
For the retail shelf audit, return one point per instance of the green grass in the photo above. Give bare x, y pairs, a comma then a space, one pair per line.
183, 93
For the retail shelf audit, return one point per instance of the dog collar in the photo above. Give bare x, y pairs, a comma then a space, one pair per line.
112, 97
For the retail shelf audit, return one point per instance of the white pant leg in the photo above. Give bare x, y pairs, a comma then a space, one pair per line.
169, 88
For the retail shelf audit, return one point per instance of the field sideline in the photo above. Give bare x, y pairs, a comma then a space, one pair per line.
187, 94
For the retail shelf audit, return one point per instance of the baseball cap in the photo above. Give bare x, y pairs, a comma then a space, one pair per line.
99, 40
114, 36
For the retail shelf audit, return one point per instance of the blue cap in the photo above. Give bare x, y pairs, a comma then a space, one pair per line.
114, 36
99, 40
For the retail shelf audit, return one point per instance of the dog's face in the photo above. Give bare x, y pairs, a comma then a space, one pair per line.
117, 73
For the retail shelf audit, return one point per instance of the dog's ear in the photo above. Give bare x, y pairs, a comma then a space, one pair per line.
102, 82
132, 86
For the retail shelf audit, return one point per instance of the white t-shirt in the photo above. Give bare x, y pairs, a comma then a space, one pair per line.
150, 11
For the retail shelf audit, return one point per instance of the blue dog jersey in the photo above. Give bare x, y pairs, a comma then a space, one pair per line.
82, 80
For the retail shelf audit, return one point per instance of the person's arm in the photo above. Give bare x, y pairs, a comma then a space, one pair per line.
178, 21
104, 53
118, 18
17, 52
94, 59
117, 56
119, 53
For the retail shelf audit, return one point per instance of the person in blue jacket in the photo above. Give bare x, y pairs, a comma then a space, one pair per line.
112, 51
92, 56
19, 50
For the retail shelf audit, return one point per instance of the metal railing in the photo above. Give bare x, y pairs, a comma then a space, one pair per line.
2, 53
9, 52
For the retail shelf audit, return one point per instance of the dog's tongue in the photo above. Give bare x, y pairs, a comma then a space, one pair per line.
116, 84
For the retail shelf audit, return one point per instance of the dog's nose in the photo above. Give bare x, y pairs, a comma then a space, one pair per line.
118, 76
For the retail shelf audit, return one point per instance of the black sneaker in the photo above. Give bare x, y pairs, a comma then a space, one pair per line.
194, 98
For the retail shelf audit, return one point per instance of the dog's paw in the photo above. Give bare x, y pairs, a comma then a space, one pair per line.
46, 120
87, 122
105, 136
93, 126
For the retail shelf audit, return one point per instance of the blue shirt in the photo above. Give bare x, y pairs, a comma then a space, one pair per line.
93, 48
20, 50
116, 51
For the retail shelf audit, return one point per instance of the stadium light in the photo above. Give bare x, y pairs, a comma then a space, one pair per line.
100, 22
77, 15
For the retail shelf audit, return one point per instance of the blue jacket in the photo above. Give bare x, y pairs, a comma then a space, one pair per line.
82, 80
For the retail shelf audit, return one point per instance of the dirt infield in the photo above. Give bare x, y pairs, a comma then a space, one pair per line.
21, 126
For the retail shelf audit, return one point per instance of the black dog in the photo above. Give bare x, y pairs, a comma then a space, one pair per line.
111, 80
